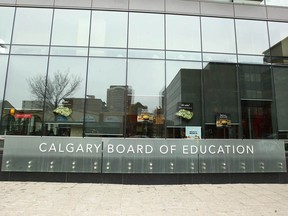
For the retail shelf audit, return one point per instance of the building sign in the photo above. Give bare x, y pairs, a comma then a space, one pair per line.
185, 110
193, 132
22, 115
223, 120
104, 155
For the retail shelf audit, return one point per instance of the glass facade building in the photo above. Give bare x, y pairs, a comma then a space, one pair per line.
134, 68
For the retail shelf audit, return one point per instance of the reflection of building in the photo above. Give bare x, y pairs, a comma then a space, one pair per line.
242, 91
116, 96
279, 52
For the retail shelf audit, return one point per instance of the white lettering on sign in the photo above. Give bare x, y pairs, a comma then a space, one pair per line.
70, 148
212, 149
129, 149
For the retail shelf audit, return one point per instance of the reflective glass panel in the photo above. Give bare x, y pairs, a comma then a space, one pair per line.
3, 67
102, 52
146, 80
277, 2
107, 97
255, 82
6, 21
176, 55
252, 37
32, 26
280, 75
146, 31
183, 87
32, 50
154, 54
109, 29
69, 51
218, 35
215, 57
220, 92
71, 27
65, 96
183, 33
278, 33
23, 110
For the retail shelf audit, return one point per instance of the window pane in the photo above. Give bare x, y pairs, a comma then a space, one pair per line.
3, 67
145, 114
218, 35
252, 37
183, 33
281, 95
106, 96
65, 96
255, 82
277, 2
71, 27
146, 31
279, 42
25, 94
183, 87
220, 93
32, 26
6, 20
32, 50
105, 26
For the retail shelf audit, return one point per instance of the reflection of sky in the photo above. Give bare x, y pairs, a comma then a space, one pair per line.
22, 68
3, 66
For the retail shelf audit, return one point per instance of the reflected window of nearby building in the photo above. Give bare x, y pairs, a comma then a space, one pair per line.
6, 21
109, 29
146, 31
218, 35
27, 20
183, 33
71, 27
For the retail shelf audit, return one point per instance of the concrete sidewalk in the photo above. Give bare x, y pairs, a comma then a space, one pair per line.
57, 199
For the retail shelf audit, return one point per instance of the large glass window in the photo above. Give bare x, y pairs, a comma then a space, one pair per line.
252, 39
107, 97
218, 35
146, 31
71, 28
109, 29
183, 88
65, 96
183, 33
6, 21
218, 40
23, 109
146, 80
277, 2
278, 33
32, 26
220, 99
281, 94
3, 67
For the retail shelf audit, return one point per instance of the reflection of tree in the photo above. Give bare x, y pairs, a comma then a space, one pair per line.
55, 88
